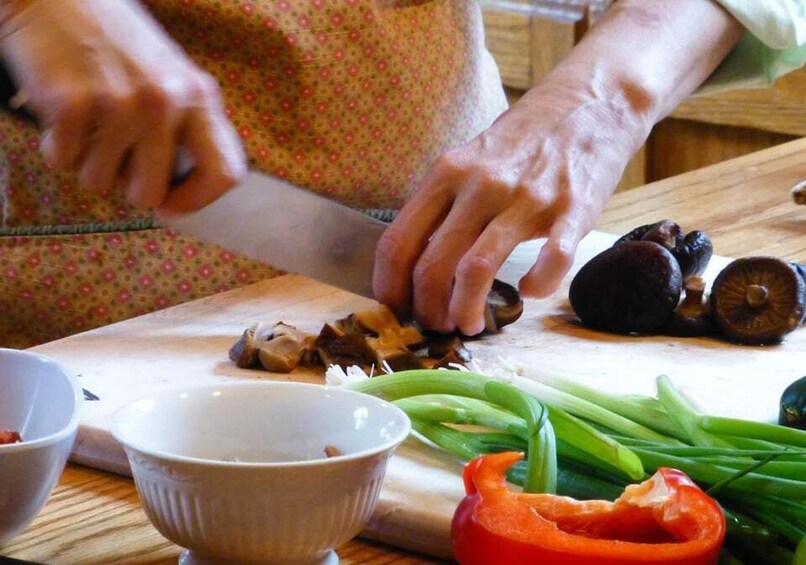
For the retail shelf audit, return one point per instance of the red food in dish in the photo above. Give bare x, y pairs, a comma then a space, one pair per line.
7, 436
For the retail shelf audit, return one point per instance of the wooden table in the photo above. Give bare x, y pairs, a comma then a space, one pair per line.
94, 517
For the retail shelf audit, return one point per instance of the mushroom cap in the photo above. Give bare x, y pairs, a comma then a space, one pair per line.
631, 288
758, 300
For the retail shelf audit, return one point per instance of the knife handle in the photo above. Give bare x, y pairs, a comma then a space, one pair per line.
183, 163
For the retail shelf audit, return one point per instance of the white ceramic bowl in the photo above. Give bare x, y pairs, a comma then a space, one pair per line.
237, 472
40, 399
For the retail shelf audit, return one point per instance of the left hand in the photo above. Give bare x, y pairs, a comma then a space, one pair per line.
545, 169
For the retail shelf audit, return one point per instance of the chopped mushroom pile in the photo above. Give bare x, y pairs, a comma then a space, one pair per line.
370, 339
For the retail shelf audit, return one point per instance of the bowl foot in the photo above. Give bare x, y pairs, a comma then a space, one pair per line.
189, 557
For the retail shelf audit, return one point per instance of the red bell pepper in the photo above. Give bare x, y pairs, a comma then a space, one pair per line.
665, 520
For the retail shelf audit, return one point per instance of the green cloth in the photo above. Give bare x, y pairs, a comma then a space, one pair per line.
774, 44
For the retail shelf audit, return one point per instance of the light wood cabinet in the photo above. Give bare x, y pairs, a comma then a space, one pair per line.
704, 130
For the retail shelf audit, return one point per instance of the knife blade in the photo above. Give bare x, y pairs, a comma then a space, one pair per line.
292, 229
275, 222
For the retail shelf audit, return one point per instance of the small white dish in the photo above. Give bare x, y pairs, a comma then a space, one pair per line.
237, 472
41, 400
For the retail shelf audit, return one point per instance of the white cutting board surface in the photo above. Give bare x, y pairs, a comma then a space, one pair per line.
188, 345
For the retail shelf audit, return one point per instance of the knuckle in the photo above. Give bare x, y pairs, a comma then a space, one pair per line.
476, 269
154, 100
392, 243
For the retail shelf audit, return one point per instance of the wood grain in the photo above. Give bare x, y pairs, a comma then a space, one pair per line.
93, 517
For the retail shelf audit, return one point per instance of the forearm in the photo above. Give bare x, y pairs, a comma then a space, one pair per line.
643, 58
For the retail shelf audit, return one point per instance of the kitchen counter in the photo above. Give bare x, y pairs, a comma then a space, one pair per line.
94, 516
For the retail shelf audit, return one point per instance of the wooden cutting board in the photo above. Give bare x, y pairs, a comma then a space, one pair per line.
188, 345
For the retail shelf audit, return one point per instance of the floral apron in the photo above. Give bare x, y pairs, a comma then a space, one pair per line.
352, 99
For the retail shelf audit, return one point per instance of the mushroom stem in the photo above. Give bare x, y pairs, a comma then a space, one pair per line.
756, 295
799, 193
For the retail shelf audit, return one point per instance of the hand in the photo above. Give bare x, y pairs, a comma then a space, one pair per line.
115, 97
545, 169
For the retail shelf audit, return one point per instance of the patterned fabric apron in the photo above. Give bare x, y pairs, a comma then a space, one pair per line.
351, 98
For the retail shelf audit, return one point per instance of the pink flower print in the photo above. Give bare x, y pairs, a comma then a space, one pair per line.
318, 4
262, 152
306, 92
334, 157
33, 260
347, 172
352, 70
79, 324
13, 157
146, 281
232, 76
130, 261
62, 303
281, 138
248, 8
122, 213
249, 98
101, 310
92, 254
291, 39
281, 173
26, 294
162, 302
244, 275
245, 132
319, 141
325, 73
338, 54
303, 125
284, 5
395, 80
287, 104
184, 287
152, 246
114, 240
336, 19
168, 266
108, 276
70, 268
46, 200
270, 23
304, 21
354, 35
316, 175
321, 37
253, 62
48, 281
85, 288
226, 256
299, 157
124, 296
266, 119
206, 271
190, 251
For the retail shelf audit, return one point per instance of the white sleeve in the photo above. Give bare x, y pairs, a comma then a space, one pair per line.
774, 44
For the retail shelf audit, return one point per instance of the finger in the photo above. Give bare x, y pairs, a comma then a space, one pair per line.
403, 242
149, 170
105, 155
218, 159
436, 269
67, 127
556, 257
478, 267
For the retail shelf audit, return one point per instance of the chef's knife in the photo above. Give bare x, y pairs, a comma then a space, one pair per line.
291, 229
280, 224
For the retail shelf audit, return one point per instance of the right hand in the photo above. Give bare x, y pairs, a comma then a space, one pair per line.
115, 97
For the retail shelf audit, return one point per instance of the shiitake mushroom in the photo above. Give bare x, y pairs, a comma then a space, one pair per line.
692, 250
693, 316
630, 288
504, 306
758, 300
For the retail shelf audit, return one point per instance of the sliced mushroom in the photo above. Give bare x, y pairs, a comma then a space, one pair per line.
441, 345
758, 300
504, 306
382, 322
630, 288
285, 350
244, 353
338, 348
692, 317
